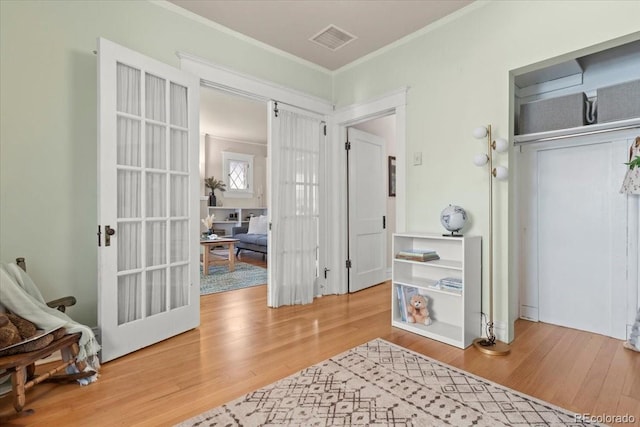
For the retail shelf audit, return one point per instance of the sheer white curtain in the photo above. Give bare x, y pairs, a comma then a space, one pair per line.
153, 232
295, 164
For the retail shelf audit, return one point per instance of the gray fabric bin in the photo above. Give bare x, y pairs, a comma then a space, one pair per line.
619, 102
552, 114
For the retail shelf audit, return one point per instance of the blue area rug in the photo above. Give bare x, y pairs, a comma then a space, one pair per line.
220, 280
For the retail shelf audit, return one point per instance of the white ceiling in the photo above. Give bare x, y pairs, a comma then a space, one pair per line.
287, 25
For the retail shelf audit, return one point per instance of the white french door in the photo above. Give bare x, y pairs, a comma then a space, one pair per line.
294, 176
367, 210
148, 278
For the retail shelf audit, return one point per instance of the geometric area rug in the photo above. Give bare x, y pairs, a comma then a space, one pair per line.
381, 384
220, 279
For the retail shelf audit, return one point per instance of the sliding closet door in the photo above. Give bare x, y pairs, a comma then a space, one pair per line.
294, 208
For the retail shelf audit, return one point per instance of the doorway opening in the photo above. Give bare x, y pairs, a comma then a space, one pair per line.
233, 149
371, 201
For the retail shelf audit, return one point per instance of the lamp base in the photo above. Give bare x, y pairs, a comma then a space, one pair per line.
453, 234
496, 348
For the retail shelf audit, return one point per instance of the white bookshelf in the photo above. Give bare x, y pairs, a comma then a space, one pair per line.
223, 216
455, 315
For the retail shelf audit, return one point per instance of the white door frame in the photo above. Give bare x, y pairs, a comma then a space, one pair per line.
391, 103
231, 81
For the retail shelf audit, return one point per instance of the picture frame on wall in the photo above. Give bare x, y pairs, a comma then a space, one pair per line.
392, 176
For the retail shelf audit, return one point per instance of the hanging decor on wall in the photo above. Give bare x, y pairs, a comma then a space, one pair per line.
490, 345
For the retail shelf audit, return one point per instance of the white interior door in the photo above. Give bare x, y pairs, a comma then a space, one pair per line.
367, 210
577, 235
148, 278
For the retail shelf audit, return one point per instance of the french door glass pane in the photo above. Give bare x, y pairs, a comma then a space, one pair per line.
156, 194
129, 298
155, 99
179, 195
179, 241
156, 246
179, 150
129, 194
155, 147
129, 246
128, 91
128, 142
156, 295
179, 286
178, 102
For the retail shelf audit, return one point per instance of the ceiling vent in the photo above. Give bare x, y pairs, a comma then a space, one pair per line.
333, 38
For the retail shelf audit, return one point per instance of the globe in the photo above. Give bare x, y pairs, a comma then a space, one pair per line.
453, 219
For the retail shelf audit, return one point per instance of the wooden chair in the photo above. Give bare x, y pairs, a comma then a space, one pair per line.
21, 366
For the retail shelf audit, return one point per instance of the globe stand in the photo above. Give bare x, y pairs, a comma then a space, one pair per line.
453, 234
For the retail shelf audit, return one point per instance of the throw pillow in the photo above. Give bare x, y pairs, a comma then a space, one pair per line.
263, 225
253, 225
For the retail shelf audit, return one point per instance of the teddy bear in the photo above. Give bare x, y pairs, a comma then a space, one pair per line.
417, 311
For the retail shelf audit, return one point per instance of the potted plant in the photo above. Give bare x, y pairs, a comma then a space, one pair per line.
214, 184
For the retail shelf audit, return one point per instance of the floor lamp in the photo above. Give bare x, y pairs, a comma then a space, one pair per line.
490, 345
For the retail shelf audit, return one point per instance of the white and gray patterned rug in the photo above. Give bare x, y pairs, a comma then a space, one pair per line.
382, 384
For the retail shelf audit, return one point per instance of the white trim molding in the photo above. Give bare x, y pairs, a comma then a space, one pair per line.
391, 103
226, 79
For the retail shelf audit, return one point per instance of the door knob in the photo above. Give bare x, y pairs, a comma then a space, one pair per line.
108, 232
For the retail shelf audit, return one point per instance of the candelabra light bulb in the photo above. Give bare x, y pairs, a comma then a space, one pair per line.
480, 159
501, 173
501, 145
480, 132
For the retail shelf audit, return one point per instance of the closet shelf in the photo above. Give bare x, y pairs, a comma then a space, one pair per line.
577, 131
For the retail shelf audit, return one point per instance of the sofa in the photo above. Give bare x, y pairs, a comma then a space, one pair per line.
252, 237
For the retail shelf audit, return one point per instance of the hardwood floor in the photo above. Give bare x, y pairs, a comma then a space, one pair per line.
242, 345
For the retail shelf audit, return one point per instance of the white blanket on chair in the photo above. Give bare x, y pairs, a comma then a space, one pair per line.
21, 296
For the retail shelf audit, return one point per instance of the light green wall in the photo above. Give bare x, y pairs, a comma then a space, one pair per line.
48, 122
458, 73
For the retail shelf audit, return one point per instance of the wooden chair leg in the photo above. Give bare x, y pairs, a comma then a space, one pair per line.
18, 381
31, 371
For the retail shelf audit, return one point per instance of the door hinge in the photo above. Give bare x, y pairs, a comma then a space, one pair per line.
275, 109
325, 130
348, 263
347, 146
384, 222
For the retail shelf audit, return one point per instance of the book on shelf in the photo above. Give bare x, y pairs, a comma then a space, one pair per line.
452, 284
418, 255
401, 304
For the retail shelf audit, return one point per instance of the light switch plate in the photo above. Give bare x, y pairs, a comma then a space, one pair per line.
417, 158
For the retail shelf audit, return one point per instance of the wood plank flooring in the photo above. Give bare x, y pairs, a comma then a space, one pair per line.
242, 345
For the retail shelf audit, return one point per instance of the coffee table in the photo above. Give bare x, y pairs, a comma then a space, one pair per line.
209, 259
